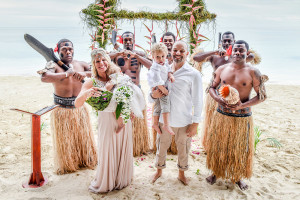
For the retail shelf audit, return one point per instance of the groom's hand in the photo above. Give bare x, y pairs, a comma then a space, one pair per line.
156, 93
192, 130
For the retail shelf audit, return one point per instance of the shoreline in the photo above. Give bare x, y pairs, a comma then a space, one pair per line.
270, 82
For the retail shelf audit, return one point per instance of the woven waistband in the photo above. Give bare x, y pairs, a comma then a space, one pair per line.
245, 112
66, 102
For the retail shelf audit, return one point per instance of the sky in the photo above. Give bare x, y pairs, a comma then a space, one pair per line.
271, 27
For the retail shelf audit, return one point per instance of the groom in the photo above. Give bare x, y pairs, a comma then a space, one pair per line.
185, 95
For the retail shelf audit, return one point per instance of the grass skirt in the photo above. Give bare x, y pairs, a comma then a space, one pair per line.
210, 107
140, 135
230, 147
73, 139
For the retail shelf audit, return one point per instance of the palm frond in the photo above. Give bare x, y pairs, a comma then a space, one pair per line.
274, 143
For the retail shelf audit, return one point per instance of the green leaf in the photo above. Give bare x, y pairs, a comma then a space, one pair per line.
274, 143
118, 110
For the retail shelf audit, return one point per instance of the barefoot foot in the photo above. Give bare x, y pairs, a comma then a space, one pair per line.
183, 180
242, 185
156, 175
211, 179
168, 129
156, 127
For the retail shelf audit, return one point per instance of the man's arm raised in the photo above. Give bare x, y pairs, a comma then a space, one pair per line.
113, 55
202, 56
50, 76
141, 59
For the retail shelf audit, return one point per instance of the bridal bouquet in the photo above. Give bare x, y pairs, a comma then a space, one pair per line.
123, 97
100, 103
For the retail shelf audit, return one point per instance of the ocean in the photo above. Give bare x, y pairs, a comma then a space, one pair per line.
275, 40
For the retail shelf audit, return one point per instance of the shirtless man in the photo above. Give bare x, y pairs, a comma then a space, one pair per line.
73, 138
230, 145
168, 39
130, 62
216, 58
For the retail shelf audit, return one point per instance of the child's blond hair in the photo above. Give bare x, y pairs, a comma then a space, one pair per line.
159, 47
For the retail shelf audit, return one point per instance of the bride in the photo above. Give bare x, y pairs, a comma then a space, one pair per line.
115, 156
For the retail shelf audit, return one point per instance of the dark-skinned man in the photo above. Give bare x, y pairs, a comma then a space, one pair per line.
130, 61
168, 39
73, 139
230, 142
217, 58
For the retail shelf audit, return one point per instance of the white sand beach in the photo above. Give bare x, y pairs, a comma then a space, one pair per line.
276, 172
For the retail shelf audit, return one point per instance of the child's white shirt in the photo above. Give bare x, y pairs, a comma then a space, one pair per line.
158, 74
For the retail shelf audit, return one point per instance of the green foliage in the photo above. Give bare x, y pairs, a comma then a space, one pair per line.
258, 138
118, 110
100, 103
197, 172
93, 15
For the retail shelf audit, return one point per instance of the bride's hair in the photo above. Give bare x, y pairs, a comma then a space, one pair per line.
111, 68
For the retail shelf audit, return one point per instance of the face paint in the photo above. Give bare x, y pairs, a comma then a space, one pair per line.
61, 55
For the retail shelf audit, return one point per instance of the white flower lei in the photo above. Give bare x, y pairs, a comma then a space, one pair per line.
123, 95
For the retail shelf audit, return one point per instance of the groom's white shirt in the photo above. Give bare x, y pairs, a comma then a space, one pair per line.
186, 97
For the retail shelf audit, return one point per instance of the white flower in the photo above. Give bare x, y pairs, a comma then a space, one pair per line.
124, 95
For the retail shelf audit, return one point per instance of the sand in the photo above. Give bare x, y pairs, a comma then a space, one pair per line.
276, 172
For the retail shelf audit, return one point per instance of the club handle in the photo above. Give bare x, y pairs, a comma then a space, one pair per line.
65, 67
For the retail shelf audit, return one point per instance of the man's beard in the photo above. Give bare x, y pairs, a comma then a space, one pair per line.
130, 47
178, 60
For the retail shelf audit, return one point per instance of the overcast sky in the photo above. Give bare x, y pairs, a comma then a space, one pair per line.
272, 27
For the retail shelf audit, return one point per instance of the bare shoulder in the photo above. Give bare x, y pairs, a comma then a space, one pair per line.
255, 73
222, 67
81, 63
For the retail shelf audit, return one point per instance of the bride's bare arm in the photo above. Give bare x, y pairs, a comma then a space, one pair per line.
87, 91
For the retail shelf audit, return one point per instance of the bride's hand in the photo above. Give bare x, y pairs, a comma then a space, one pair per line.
93, 92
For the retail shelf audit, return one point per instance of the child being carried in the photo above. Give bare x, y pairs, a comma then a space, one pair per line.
159, 73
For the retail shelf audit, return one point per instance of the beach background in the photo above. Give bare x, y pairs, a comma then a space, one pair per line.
270, 27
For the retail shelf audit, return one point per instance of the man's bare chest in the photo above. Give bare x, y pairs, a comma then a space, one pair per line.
236, 78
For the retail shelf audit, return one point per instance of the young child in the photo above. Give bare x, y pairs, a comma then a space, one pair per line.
158, 75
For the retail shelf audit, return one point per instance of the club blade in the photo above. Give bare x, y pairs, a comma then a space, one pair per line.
39, 47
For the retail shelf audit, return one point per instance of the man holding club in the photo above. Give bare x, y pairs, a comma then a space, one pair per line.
73, 139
